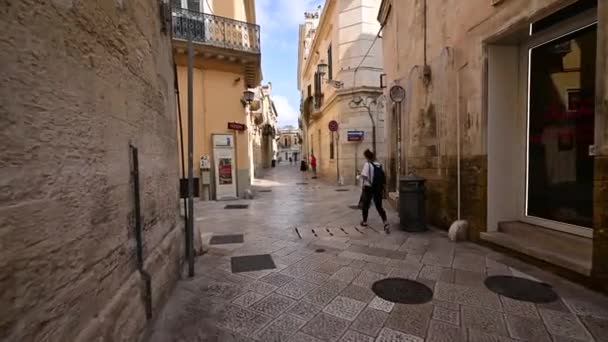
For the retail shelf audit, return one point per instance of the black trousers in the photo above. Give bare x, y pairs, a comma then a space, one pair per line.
368, 194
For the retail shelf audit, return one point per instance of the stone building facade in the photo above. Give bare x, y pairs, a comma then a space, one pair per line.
343, 35
505, 116
264, 129
289, 145
227, 62
81, 82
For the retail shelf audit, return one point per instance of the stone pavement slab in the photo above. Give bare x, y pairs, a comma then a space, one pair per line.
304, 310
327, 296
370, 322
484, 320
444, 332
344, 308
353, 336
390, 335
280, 330
297, 289
326, 327
273, 305
564, 324
527, 329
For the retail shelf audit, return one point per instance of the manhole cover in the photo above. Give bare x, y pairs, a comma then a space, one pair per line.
250, 263
237, 206
355, 207
265, 190
402, 291
521, 289
342, 190
226, 239
301, 183
319, 250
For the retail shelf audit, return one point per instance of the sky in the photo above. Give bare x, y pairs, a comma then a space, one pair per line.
279, 20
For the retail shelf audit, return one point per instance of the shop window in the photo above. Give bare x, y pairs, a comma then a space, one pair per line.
331, 147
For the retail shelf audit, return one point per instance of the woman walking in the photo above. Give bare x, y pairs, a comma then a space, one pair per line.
374, 180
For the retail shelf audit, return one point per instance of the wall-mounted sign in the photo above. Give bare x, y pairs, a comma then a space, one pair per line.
333, 125
397, 93
222, 140
205, 162
237, 126
354, 135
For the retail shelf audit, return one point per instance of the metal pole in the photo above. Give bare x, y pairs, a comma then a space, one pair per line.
190, 228
371, 117
139, 235
356, 161
337, 156
182, 156
399, 143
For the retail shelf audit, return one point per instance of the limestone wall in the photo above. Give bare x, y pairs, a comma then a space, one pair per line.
457, 33
348, 155
81, 80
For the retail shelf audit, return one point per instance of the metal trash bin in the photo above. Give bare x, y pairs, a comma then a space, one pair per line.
412, 209
274, 163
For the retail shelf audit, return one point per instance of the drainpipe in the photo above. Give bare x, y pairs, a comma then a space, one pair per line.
181, 145
371, 117
138, 235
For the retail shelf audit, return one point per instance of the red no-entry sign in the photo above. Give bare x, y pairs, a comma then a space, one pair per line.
333, 125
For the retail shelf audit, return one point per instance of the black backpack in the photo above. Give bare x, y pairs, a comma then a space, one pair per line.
379, 177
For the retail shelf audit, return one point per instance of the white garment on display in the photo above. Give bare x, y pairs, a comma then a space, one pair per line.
561, 163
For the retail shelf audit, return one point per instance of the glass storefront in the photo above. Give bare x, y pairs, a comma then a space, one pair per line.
561, 128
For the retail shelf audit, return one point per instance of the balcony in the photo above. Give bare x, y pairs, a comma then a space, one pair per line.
212, 30
220, 38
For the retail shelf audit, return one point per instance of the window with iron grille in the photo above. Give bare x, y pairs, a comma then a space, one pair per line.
318, 93
194, 5
329, 64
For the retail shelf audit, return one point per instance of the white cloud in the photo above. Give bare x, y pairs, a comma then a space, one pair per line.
283, 14
288, 115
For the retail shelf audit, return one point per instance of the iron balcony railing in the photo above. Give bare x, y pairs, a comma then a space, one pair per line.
216, 31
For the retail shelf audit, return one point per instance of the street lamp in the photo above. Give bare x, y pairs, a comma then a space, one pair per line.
248, 96
322, 70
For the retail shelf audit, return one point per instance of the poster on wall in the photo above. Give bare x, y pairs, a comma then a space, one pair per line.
225, 171
225, 166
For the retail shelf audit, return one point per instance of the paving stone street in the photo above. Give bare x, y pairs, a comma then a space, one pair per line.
321, 290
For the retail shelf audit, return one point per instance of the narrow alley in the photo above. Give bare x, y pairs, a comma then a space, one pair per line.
319, 286
201, 170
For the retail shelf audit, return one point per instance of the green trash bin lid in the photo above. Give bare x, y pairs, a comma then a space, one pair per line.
413, 178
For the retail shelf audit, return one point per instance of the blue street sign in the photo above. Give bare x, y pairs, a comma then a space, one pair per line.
354, 135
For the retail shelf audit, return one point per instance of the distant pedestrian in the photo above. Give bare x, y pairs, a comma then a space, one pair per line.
313, 165
374, 180
290, 161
